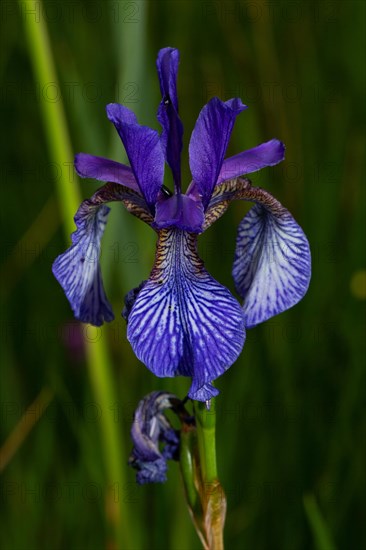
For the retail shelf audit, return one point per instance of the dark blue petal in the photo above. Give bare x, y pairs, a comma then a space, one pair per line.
272, 264
171, 137
144, 151
99, 168
78, 269
209, 142
267, 154
179, 211
183, 321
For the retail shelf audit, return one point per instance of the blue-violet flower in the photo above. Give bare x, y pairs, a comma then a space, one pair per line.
181, 321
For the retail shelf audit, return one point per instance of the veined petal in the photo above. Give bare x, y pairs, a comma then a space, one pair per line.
183, 322
208, 144
144, 151
267, 154
171, 137
99, 168
78, 270
272, 265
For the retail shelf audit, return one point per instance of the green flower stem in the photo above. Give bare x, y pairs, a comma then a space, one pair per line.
206, 433
212, 496
100, 370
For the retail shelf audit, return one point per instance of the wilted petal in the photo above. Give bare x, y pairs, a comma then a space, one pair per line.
99, 168
171, 137
150, 427
272, 264
143, 149
209, 141
267, 154
183, 321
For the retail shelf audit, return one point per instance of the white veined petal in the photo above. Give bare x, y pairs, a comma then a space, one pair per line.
272, 265
183, 322
78, 270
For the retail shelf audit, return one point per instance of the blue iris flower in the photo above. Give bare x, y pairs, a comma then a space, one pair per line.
181, 321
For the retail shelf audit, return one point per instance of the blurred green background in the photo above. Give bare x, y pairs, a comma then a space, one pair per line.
290, 424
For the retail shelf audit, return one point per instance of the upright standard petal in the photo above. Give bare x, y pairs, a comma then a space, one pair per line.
99, 168
272, 265
167, 67
171, 137
183, 322
144, 151
78, 270
208, 144
267, 154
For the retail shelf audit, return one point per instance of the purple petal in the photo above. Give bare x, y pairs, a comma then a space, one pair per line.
143, 149
272, 265
78, 270
179, 211
183, 321
209, 141
99, 168
171, 137
267, 154
167, 67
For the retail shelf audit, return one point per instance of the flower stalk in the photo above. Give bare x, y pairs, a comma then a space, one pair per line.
206, 433
205, 496
212, 494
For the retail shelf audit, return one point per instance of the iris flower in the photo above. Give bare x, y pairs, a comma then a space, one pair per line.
181, 321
